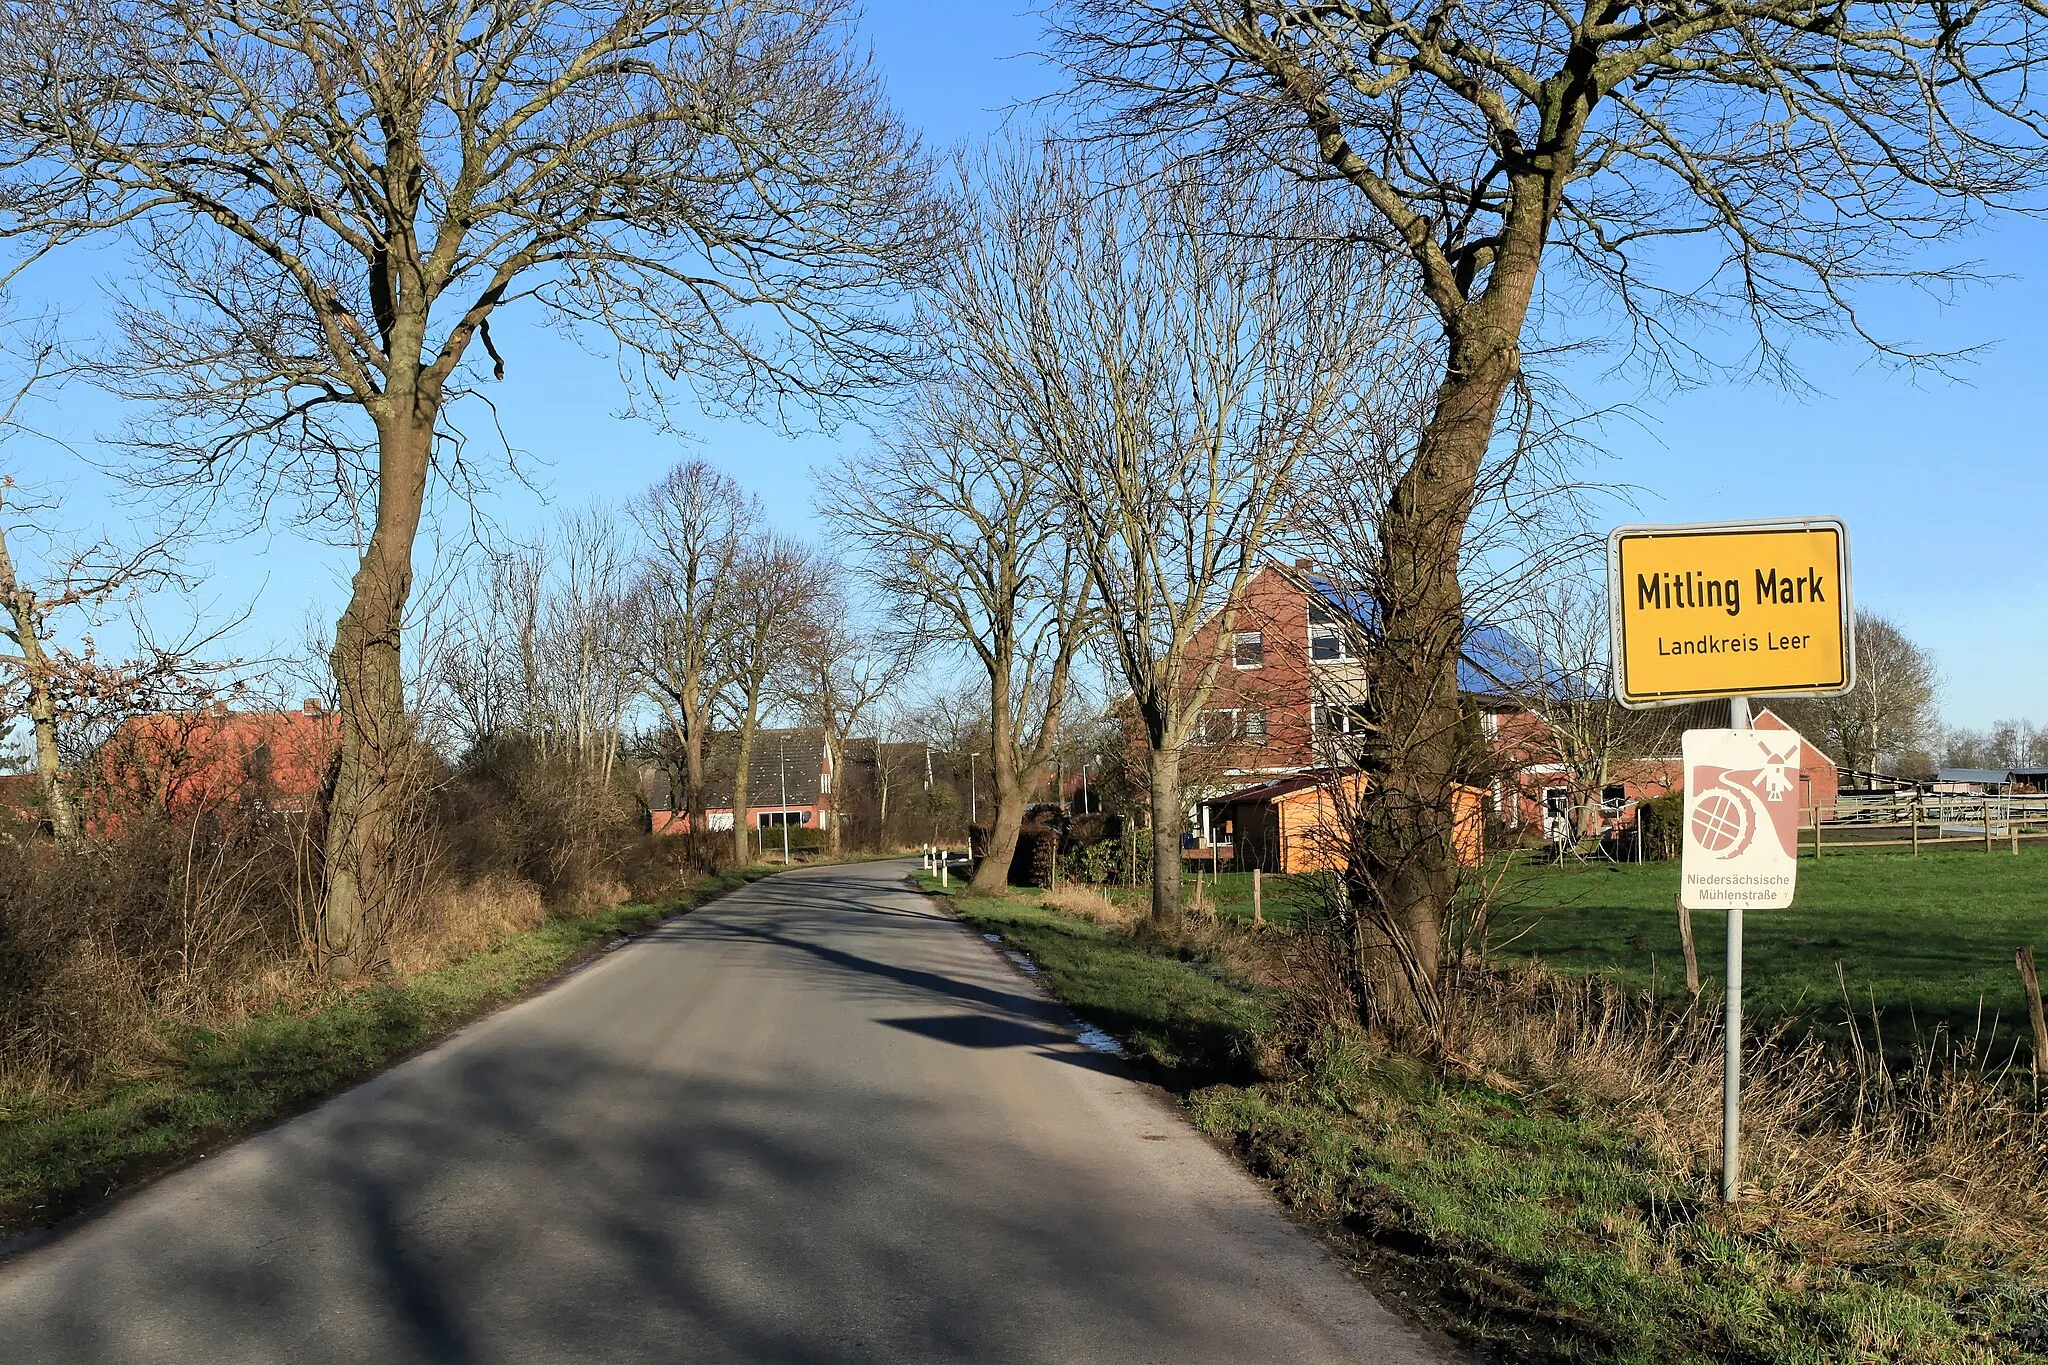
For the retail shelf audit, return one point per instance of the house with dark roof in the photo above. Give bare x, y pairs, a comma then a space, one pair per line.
1290, 699
789, 781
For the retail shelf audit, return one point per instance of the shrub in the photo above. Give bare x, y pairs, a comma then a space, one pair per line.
1100, 862
1661, 821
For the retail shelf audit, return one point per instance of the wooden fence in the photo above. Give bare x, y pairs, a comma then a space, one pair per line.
1915, 820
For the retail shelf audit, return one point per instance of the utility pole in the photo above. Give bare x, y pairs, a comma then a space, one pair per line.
782, 748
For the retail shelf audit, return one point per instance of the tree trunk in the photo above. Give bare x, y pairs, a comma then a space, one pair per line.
26, 612
1168, 820
742, 764
42, 713
1012, 795
1408, 861
362, 815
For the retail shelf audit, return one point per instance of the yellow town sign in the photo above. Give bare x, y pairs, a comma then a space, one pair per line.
1730, 609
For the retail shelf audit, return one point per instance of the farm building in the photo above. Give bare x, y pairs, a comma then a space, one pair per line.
1990, 781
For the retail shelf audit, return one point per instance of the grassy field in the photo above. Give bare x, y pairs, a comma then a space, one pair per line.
59, 1155
1927, 939
1530, 1222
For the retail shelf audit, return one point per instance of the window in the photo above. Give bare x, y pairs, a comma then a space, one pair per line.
1217, 727
1253, 726
770, 819
1248, 649
1327, 642
1614, 797
1340, 719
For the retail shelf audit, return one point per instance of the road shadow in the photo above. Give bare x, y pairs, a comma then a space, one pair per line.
533, 1202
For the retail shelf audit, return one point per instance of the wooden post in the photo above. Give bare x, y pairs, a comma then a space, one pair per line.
2012, 826
2023, 958
1913, 808
1987, 821
1692, 957
1258, 907
1816, 831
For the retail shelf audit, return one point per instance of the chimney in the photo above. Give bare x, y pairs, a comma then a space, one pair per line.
220, 708
312, 706
1304, 564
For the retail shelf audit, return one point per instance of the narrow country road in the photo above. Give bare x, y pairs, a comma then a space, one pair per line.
815, 1121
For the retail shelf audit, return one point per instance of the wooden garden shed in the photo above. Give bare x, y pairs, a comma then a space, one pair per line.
1294, 824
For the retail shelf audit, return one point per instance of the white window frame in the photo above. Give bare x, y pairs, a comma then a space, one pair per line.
1351, 722
1329, 628
1256, 638
1222, 731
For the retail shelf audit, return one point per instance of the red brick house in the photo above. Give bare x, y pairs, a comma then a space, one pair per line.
1531, 792
1289, 701
1290, 695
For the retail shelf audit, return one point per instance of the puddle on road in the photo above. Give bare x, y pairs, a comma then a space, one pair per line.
1095, 1040
1085, 1033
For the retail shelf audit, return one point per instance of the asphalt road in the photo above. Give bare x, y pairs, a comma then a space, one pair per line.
814, 1121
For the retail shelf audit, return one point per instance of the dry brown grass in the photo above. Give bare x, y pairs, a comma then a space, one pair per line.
1086, 902
1836, 1148
450, 922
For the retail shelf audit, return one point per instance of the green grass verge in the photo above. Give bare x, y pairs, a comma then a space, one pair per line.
1194, 1020
1534, 1226
60, 1156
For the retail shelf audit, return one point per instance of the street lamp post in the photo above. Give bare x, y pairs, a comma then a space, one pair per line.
782, 749
973, 789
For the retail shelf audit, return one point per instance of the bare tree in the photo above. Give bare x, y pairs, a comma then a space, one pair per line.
773, 581
2011, 743
333, 202
695, 523
951, 520
1891, 708
834, 676
1559, 678
1757, 161
1171, 353
82, 575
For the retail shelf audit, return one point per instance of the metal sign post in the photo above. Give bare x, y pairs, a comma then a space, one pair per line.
1731, 1056
1734, 610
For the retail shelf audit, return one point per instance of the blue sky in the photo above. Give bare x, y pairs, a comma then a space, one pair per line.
1938, 481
